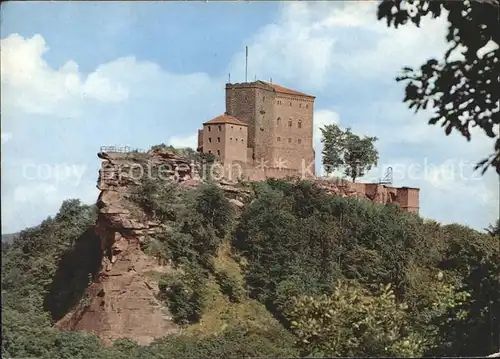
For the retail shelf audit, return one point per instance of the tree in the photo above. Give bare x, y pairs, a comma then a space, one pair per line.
463, 92
360, 155
494, 229
333, 140
344, 149
352, 322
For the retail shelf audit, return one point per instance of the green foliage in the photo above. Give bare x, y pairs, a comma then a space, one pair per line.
157, 195
185, 294
314, 260
494, 229
46, 268
351, 322
360, 155
344, 149
462, 92
234, 342
297, 241
230, 286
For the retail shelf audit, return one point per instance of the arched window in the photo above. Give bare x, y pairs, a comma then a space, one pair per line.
290, 122
300, 124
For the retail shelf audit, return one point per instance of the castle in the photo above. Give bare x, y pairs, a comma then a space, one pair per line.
267, 131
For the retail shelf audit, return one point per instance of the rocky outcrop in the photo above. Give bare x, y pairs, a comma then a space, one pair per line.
122, 300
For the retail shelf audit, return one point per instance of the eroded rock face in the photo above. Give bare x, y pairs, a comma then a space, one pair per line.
122, 302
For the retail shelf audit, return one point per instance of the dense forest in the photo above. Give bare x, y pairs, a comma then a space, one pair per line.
307, 274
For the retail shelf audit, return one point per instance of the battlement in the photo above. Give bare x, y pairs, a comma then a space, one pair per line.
254, 84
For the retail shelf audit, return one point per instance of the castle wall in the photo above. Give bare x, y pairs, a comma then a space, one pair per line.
274, 142
409, 199
214, 139
235, 143
293, 124
240, 103
227, 141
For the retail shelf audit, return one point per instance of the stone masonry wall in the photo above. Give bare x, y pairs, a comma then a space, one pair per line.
264, 129
235, 140
293, 125
271, 141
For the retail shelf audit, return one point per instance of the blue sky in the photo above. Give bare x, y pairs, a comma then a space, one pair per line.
78, 75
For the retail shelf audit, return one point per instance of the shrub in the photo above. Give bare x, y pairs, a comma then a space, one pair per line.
185, 294
230, 286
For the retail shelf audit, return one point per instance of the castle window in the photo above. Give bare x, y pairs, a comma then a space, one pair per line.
209, 128
290, 123
210, 151
218, 139
307, 106
289, 140
300, 105
263, 98
241, 140
278, 120
218, 152
300, 124
279, 139
299, 140
230, 139
236, 139
210, 139
232, 127
220, 128
290, 104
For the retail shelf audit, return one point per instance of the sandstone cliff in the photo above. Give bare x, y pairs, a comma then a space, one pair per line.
122, 300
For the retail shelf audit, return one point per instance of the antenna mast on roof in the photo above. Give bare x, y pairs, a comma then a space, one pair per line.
229, 78
246, 62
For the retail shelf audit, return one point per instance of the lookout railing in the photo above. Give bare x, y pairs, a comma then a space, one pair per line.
122, 149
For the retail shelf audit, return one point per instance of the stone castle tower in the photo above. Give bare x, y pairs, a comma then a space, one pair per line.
267, 130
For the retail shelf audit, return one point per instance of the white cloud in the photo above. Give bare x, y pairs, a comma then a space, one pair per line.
6, 137
321, 119
312, 42
184, 141
35, 193
29, 83
28, 204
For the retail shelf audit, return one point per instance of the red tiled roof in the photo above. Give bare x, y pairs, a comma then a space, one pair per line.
284, 90
222, 119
